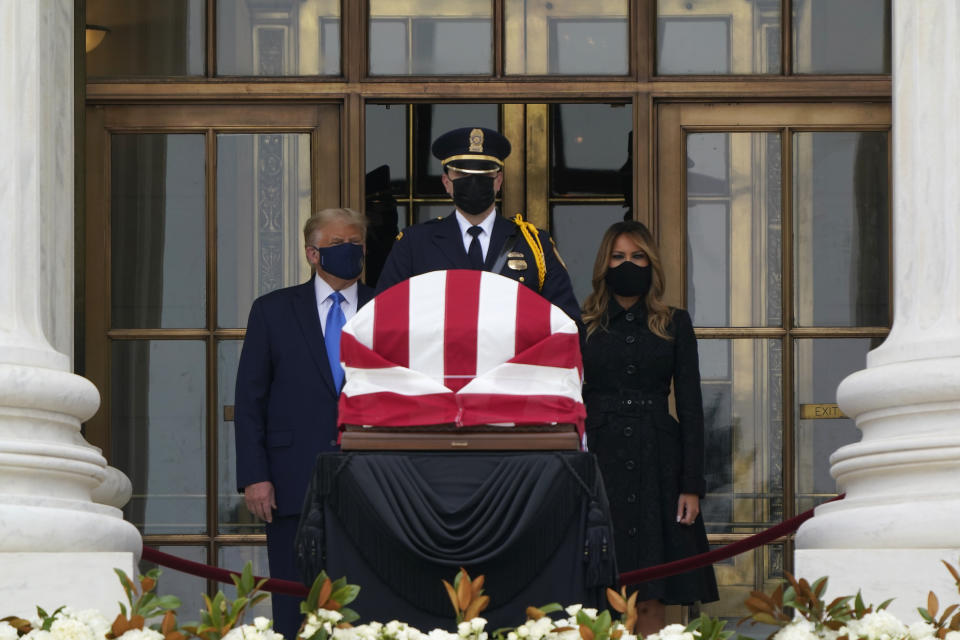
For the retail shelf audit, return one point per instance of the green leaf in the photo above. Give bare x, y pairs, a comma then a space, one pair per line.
884, 604
349, 615
311, 601
346, 594
168, 603
551, 608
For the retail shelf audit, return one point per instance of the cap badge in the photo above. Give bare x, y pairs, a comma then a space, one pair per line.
476, 141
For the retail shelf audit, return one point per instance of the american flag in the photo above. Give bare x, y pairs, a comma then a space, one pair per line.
460, 347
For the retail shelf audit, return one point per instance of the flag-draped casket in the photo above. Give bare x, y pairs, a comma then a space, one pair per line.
462, 348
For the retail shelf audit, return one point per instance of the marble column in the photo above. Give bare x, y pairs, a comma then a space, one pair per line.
61, 531
901, 515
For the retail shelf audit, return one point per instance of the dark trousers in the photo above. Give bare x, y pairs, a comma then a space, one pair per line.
286, 609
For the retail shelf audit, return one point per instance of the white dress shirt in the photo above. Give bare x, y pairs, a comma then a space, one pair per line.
323, 291
487, 230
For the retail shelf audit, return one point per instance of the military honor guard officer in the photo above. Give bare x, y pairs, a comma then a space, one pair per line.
474, 236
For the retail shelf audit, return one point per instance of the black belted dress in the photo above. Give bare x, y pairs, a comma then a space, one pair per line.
647, 457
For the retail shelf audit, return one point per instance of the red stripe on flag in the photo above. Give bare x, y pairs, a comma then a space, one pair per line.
460, 327
533, 319
391, 323
385, 408
492, 408
559, 350
356, 354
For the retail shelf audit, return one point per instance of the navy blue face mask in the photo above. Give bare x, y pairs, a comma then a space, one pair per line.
343, 260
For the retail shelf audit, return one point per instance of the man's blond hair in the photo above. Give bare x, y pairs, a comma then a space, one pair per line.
321, 218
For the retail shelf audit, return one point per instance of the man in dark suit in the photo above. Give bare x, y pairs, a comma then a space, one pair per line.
288, 383
474, 236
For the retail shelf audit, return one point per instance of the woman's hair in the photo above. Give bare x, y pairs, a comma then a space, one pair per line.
595, 308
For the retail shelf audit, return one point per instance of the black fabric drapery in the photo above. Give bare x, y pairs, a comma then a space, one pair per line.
535, 524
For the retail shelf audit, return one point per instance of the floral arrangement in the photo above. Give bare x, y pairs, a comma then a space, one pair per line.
797, 609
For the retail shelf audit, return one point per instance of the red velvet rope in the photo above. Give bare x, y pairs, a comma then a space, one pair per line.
273, 585
290, 588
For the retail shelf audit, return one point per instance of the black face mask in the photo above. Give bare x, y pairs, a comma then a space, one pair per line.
629, 279
343, 260
473, 193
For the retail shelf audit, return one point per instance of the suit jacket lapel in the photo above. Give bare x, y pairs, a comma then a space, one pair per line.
305, 310
447, 238
502, 229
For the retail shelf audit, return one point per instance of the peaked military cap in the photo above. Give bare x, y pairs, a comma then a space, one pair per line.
472, 150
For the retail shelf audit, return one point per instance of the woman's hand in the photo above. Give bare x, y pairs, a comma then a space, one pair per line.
688, 508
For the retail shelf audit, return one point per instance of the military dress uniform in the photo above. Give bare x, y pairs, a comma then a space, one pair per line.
517, 248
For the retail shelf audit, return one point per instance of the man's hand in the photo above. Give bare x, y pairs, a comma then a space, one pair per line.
688, 508
260, 499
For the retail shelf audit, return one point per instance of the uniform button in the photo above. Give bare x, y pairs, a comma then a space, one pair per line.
632, 497
628, 431
628, 402
631, 369
631, 339
629, 317
629, 464
632, 531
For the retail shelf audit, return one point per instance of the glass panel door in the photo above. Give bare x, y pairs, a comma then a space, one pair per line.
768, 217
197, 211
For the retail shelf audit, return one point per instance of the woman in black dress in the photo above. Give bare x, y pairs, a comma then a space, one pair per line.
652, 464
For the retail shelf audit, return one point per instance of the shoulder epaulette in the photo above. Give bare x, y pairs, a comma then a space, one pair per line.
532, 235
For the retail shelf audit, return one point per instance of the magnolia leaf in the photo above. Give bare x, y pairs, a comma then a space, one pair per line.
765, 618
932, 603
757, 605
946, 614
886, 603
464, 591
585, 632
21, 625
324, 594
925, 615
616, 601
147, 583
534, 613
477, 585
349, 615
452, 594
553, 607
631, 620
820, 586
953, 571
476, 607
616, 634
345, 594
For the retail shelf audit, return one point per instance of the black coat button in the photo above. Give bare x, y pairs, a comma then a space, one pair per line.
631, 369
629, 464
631, 339
632, 531
628, 317
628, 431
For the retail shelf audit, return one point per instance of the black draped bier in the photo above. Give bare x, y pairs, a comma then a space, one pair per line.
536, 524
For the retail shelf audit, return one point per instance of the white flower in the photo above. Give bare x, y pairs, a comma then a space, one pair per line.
523, 631
477, 624
591, 613
64, 628
98, 625
143, 634
798, 629
7, 632
952, 635
672, 632
441, 634
921, 630
510, 636
572, 610
880, 625
38, 634
464, 630
259, 630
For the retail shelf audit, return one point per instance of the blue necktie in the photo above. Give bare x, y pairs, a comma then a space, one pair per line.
331, 336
